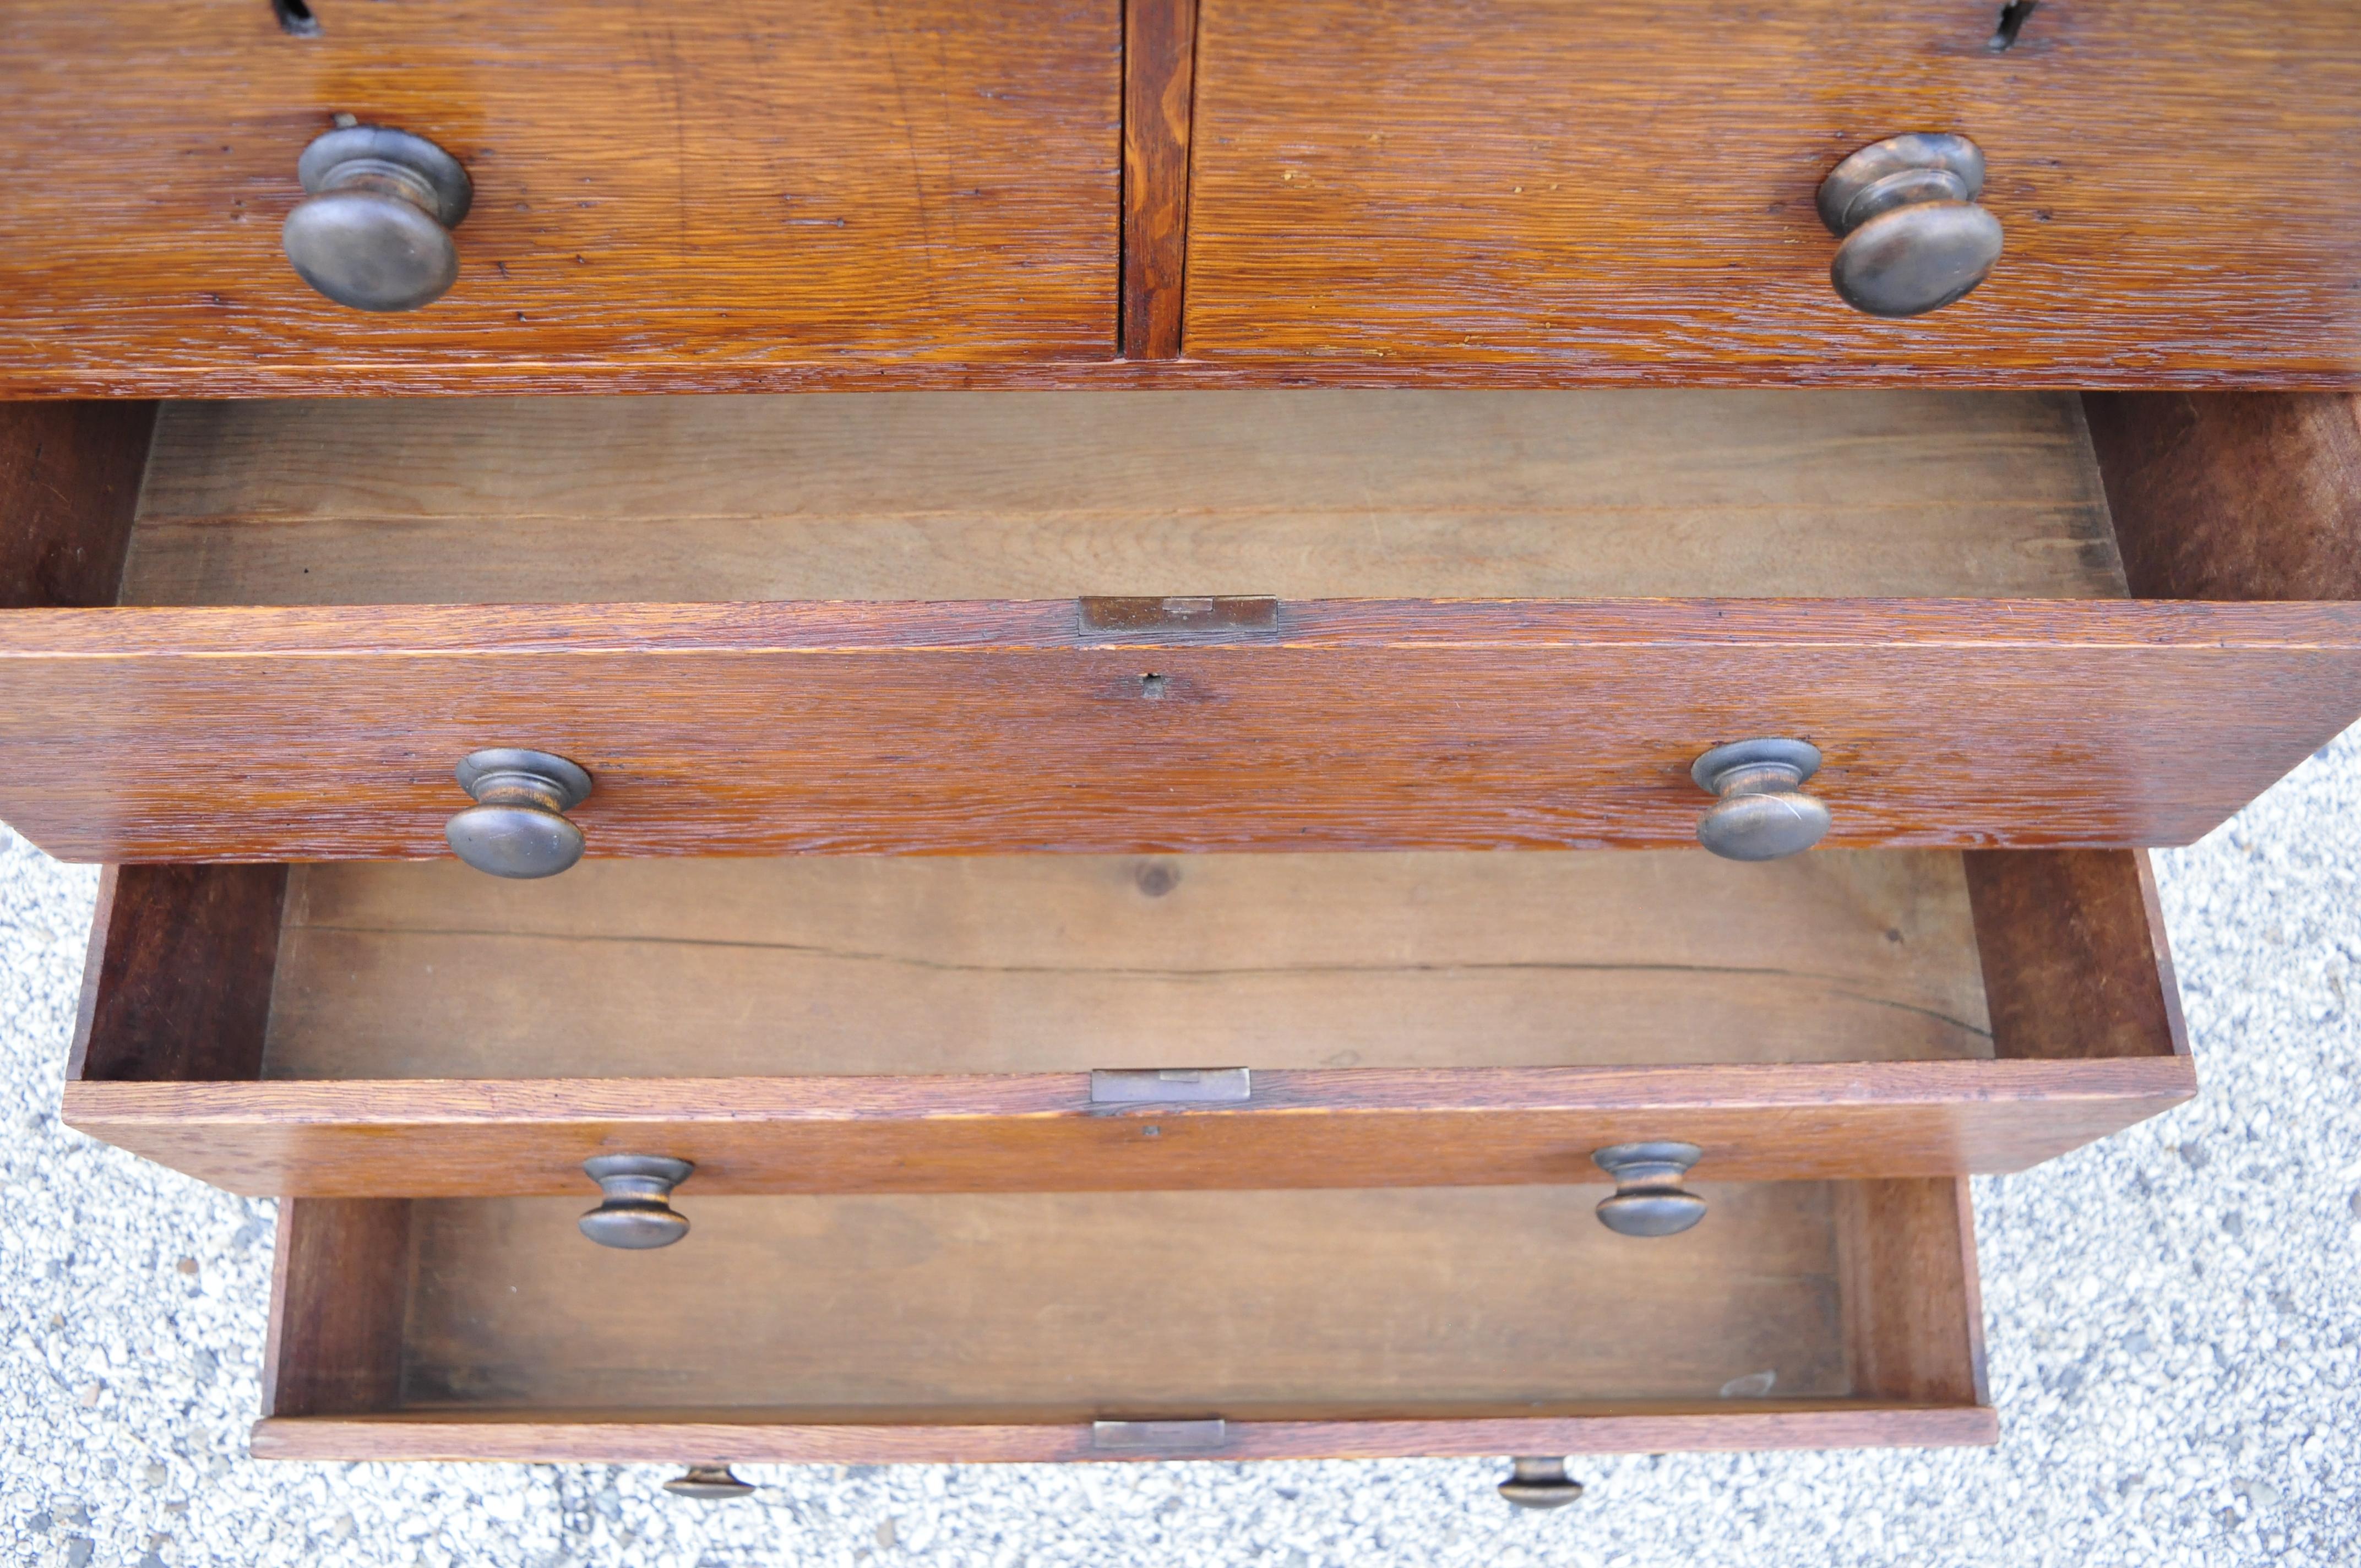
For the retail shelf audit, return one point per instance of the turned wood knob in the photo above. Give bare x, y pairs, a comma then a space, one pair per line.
1914, 238
1540, 1484
1648, 1199
636, 1212
517, 826
714, 1483
1763, 813
374, 228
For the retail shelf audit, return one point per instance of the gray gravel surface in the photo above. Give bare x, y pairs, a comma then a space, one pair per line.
2174, 1318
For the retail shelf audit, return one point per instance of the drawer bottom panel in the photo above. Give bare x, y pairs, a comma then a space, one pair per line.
1116, 1325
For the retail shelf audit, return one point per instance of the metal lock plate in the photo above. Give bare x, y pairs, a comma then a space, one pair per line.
1178, 621
1172, 1086
1159, 1437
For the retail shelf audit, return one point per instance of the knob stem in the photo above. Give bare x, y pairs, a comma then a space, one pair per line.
1537, 1483
1763, 813
1648, 1199
1914, 238
709, 1483
374, 229
517, 826
636, 1212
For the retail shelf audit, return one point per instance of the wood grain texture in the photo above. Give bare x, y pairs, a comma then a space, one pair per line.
1341, 1128
930, 1024
1299, 495
177, 982
2234, 496
2075, 959
717, 1437
339, 1287
1914, 1328
1060, 964
1314, 1323
1003, 727
68, 482
1158, 51
704, 196
1532, 192
1074, 1305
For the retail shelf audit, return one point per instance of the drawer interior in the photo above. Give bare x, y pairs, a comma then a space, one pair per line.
1065, 1307
1314, 494
1069, 963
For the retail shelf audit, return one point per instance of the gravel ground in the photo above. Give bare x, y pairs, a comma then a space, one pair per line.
2174, 1319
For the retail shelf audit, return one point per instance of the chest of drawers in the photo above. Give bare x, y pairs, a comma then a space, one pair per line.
1141, 892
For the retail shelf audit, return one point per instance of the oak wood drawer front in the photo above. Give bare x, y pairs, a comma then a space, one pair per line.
891, 656
1001, 1328
934, 1024
825, 186
1536, 190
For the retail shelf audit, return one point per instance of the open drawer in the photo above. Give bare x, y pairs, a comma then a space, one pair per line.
1045, 1022
948, 622
1057, 1326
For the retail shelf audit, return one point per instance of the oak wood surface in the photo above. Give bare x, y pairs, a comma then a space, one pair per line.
2075, 957
330, 733
2239, 496
521, 1340
699, 193
178, 983
926, 1007
723, 1437
1531, 191
339, 1287
1339, 1127
1159, 50
69, 478
1060, 964
951, 495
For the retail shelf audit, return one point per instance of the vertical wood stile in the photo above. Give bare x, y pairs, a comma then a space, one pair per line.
1159, 42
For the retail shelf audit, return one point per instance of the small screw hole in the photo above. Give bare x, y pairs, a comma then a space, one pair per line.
295, 18
2013, 17
1152, 686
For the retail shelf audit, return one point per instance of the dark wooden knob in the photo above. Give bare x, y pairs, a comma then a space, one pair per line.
1762, 812
517, 826
1914, 238
636, 1213
374, 228
713, 1482
1648, 1199
1540, 1484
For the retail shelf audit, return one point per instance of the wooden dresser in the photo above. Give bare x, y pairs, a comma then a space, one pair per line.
1292, 729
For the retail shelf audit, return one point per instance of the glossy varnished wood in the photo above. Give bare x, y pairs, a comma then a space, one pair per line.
1346, 1128
1300, 495
1521, 192
976, 728
1313, 1322
928, 1025
1158, 54
680, 1437
708, 196
69, 478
